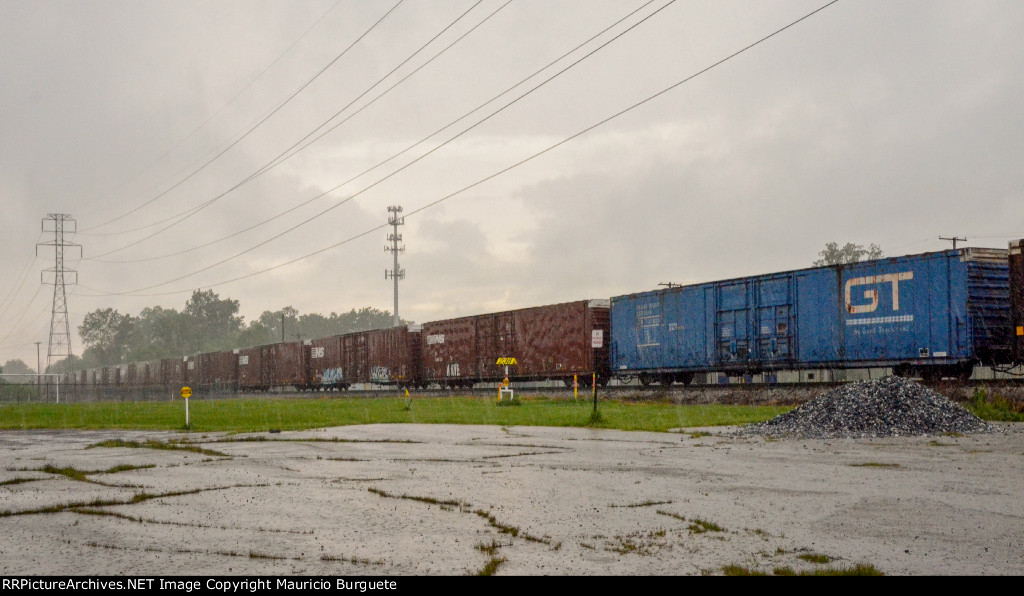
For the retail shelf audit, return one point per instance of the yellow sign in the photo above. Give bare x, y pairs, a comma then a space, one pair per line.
186, 392
1020, 330
506, 361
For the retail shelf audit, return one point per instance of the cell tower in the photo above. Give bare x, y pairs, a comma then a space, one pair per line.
60, 328
394, 238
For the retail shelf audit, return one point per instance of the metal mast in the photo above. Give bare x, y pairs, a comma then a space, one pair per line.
397, 273
60, 328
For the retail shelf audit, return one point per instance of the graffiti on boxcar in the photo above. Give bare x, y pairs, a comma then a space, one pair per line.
332, 376
380, 374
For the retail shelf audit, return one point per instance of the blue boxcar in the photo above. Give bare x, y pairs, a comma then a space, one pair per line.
935, 314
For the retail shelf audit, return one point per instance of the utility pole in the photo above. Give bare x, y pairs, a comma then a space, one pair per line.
60, 328
953, 240
394, 237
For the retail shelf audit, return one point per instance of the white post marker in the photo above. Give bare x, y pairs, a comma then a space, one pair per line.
186, 392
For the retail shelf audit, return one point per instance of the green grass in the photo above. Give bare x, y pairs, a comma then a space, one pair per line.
255, 415
995, 408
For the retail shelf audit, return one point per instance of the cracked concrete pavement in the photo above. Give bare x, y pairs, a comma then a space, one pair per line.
433, 499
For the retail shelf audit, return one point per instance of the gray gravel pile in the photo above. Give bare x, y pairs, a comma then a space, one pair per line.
889, 407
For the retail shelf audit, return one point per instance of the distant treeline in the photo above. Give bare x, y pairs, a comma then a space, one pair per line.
207, 324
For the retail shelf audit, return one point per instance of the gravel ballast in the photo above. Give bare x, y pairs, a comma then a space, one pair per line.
889, 407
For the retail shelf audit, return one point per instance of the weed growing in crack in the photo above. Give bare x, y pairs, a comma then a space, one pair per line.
258, 555
151, 444
856, 570
431, 500
18, 481
645, 504
492, 566
700, 526
490, 549
670, 514
356, 560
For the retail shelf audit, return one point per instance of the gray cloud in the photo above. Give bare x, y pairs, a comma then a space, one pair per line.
873, 121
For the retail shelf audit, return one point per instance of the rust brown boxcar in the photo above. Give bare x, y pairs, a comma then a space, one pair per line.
393, 356
548, 342
381, 356
327, 369
190, 370
287, 364
218, 370
147, 373
120, 375
172, 372
250, 370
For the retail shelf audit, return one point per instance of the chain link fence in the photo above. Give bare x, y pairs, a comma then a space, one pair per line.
54, 389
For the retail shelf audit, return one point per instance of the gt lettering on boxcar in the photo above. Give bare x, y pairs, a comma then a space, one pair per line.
872, 294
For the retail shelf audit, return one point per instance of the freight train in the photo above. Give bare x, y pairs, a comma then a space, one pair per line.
931, 315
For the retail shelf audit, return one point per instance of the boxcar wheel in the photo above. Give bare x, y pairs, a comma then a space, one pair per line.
645, 379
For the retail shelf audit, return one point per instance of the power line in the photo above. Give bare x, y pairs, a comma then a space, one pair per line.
394, 156
407, 165
19, 282
277, 160
219, 111
14, 326
503, 170
253, 128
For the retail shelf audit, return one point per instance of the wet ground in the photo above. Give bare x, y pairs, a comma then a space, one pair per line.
423, 499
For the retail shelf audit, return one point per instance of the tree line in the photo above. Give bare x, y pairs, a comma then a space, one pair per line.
208, 323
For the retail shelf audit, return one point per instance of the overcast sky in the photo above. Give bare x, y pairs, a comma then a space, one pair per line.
869, 122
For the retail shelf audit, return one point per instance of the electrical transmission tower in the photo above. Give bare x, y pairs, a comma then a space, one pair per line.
394, 238
60, 328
